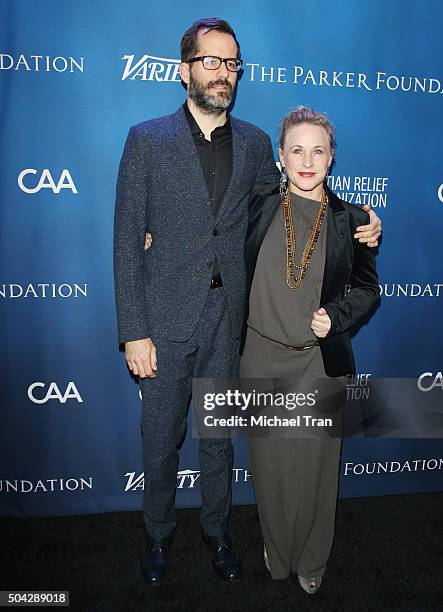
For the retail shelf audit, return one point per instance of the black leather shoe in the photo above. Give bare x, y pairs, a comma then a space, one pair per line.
225, 561
156, 564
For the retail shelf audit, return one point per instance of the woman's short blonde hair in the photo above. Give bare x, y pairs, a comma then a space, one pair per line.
304, 114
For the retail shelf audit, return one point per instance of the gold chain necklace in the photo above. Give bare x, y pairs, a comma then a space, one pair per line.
293, 280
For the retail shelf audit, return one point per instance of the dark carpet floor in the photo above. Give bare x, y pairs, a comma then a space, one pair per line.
388, 555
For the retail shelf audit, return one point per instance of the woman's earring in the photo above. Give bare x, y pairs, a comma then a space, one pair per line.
325, 180
283, 182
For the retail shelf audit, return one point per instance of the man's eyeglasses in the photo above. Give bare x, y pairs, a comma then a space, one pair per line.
211, 62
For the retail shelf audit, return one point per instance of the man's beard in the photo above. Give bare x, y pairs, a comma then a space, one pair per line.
211, 104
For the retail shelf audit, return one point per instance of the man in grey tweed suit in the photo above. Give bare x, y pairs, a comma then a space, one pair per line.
180, 224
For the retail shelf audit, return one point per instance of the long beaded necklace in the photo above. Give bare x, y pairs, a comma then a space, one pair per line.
295, 279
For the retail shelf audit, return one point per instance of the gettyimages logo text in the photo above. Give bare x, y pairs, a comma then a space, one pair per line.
45, 181
151, 68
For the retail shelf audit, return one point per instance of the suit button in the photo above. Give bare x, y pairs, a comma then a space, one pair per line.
210, 264
214, 232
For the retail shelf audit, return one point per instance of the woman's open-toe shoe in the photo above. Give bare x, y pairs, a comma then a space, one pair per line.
310, 585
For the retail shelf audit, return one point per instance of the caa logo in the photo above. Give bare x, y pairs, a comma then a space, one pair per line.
428, 381
440, 193
46, 181
53, 393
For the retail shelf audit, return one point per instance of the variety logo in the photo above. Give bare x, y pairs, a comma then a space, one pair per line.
392, 467
134, 482
186, 479
50, 485
43, 290
41, 63
38, 394
428, 381
411, 290
151, 68
46, 181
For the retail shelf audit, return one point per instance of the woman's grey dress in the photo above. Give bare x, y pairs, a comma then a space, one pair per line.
296, 478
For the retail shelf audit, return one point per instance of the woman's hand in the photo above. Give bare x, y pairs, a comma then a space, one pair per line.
321, 323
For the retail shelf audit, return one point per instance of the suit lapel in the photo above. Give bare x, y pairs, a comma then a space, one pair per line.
238, 160
336, 228
188, 167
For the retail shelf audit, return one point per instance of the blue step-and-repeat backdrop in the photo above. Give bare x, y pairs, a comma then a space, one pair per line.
73, 77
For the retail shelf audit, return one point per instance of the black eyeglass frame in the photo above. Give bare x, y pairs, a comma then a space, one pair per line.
202, 58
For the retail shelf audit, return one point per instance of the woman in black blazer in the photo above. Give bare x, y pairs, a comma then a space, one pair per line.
311, 284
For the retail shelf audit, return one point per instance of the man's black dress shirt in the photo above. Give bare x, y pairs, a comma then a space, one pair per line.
216, 162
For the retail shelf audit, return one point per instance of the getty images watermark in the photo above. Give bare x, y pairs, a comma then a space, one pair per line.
267, 407
244, 401
358, 406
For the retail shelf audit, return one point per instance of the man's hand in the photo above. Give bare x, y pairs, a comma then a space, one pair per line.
369, 233
141, 357
321, 323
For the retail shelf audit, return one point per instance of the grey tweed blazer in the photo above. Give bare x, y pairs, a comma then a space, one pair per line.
161, 190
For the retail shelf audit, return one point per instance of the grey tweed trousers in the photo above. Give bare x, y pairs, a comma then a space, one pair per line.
210, 352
